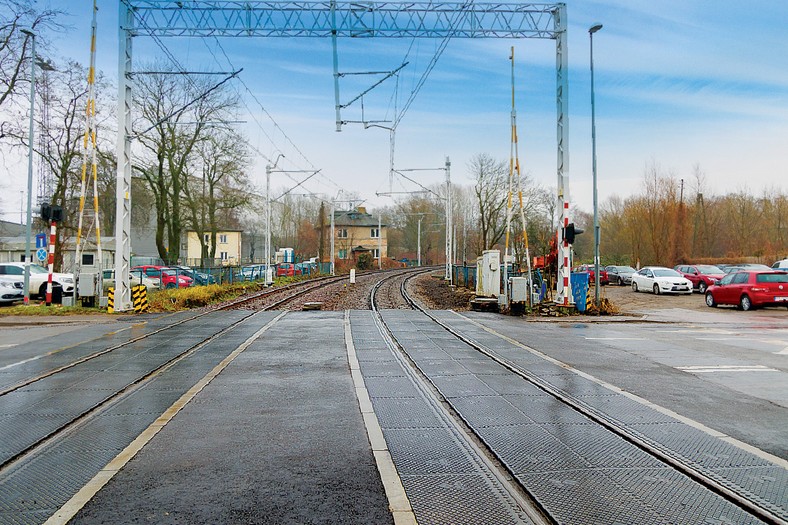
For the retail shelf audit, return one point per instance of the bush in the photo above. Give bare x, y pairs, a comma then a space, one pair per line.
197, 296
364, 261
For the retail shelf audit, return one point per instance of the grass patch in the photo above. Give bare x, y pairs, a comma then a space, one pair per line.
56, 309
168, 300
172, 300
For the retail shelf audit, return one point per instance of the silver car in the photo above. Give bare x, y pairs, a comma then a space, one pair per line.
620, 275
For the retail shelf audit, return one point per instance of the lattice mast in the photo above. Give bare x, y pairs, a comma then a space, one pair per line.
89, 157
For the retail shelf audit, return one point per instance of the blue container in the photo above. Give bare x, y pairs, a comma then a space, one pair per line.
579, 282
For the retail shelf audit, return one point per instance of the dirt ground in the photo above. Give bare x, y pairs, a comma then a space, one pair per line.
636, 303
435, 293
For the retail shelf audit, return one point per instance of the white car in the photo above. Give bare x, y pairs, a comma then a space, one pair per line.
11, 289
135, 277
659, 279
39, 277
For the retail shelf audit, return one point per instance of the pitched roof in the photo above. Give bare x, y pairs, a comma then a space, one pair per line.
355, 218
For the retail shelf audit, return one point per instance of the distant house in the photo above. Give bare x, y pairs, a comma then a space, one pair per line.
12, 249
228, 247
357, 232
11, 229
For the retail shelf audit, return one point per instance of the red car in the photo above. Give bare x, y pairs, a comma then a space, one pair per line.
287, 270
603, 279
750, 289
701, 275
170, 277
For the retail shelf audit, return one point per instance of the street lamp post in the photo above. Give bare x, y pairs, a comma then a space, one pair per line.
268, 270
593, 29
28, 226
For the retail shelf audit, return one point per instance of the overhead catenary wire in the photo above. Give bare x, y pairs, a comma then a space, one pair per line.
268, 114
183, 71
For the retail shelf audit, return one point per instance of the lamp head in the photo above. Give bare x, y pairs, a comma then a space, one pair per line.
28, 32
594, 28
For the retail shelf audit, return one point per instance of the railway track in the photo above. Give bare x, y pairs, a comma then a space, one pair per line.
176, 338
521, 456
696, 490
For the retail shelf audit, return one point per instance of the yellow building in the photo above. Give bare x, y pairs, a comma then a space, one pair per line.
228, 247
357, 232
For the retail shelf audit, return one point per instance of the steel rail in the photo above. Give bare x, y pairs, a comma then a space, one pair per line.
119, 394
295, 289
497, 468
229, 305
737, 498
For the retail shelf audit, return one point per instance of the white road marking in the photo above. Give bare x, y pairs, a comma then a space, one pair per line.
399, 504
8, 346
23, 362
784, 351
705, 369
53, 352
69, 509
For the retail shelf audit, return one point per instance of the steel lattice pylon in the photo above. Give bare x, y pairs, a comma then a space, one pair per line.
227, 18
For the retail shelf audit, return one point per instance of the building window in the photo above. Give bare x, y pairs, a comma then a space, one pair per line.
343, 253
374, 233
342, 233
206, 238
223, 238
375, 253
223, 256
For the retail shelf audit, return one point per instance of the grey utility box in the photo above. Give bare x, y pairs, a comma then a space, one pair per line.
519, 289
88, 284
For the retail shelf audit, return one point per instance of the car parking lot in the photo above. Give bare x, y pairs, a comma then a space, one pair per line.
632, 303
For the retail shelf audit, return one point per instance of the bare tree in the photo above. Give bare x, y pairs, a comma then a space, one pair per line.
16, 16
215, 185
59, 145
177, 114
490, 189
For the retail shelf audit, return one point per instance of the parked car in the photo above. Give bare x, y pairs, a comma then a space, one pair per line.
253, 272
603, 279
135, 277
167, 275
194, 275
39, 277
306, 268
12, 288
287, 270
782, 264
659, 279
733, 268
750, 289
701, 275
621, 275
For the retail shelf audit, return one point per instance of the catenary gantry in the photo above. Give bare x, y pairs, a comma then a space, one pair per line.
226, 18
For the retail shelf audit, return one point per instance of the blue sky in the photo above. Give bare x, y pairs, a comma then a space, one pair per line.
678, 84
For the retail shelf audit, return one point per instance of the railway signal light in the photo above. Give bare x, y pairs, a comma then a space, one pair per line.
570, 231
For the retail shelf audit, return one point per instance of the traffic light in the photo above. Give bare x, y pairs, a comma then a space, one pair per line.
46, 211
570, 231
57, 214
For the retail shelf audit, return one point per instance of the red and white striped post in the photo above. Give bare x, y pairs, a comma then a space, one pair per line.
566, 268
52, 230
